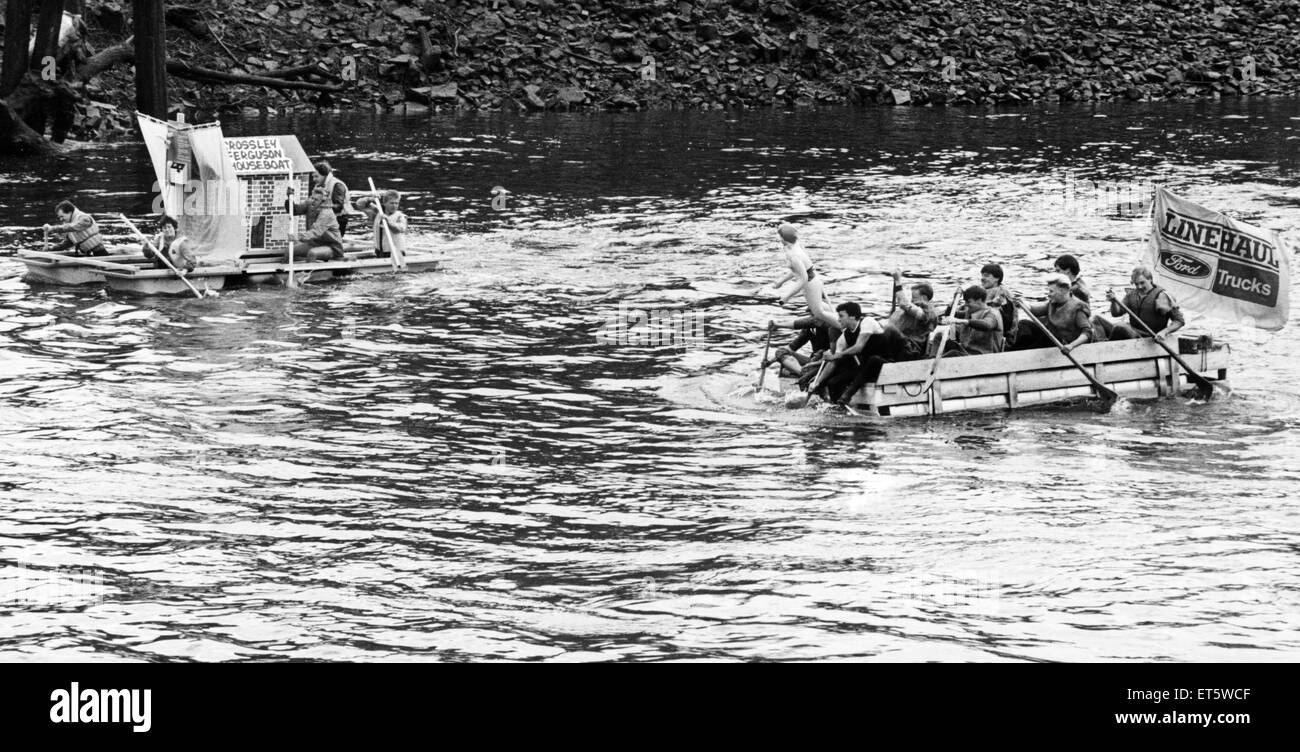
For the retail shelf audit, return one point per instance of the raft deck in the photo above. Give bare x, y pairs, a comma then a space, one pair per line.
257, 270
62, 269
1132, 368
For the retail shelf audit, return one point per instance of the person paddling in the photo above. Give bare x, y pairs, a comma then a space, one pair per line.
176, 248
1149, 303
384, 211
79, 230
1064, 314
811, 331
845, 361
979, 326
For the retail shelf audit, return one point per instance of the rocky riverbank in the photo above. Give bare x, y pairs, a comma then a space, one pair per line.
638, 54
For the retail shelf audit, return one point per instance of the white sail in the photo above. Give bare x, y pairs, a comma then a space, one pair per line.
198, 185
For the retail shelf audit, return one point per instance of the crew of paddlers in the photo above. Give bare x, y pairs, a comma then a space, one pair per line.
326, 212
848, 349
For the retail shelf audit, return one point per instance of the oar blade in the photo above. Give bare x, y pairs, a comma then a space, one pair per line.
724, 290
1202, 384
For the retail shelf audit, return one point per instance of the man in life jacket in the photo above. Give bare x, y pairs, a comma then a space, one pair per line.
79, 230
177, 249
337, 191
1064, 314
1149, 303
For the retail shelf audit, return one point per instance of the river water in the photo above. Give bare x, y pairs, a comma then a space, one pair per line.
465, 465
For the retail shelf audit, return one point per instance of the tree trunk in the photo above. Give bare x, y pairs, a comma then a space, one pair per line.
41, 103
16, 137
48, 22
18, 24
150, 58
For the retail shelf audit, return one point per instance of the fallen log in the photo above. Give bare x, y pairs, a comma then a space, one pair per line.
102, 61
301, 71
196, 73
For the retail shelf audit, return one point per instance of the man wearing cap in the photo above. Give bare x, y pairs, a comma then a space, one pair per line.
1065, 315
337, 191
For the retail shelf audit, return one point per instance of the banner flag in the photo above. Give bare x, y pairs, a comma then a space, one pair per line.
1215, 265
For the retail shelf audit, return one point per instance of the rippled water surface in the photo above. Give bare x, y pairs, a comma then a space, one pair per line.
453, 466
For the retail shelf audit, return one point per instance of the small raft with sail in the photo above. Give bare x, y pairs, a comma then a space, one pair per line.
228, 197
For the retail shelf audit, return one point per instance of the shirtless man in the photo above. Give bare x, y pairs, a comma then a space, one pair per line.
384, 211
805, 276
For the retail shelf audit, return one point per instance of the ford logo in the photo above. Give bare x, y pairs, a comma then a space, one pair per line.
1187, 266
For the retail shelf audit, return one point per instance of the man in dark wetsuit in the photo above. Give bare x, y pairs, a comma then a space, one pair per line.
811, 332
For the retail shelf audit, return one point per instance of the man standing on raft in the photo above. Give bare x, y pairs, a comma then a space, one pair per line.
805, 277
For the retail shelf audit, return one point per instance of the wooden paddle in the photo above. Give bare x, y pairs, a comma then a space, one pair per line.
393, 253
721, 288
808, 394
1205, 387
763, 368
943, 345
162, 255
290, 233
59, 258
1101, 389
